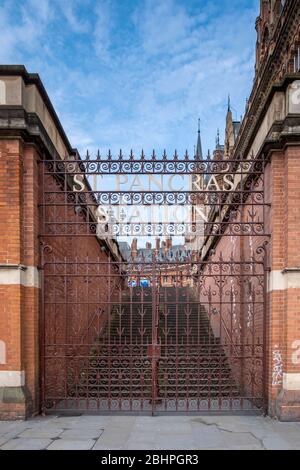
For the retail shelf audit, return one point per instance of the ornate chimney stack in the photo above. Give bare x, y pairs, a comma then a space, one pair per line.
169, 243
134, 248
157, 244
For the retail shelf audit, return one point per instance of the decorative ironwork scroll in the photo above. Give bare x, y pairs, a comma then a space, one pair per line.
153, 328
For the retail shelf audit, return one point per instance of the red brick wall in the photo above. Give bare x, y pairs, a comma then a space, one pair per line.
21, 223
276, 307
19, 246
285, 303
282, 321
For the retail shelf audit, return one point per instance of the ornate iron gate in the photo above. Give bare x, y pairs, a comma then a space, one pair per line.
158, 328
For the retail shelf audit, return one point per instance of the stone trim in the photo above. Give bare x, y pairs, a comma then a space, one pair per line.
16, 122
34, 79
17, 274
12, 378
291, 381
288, 278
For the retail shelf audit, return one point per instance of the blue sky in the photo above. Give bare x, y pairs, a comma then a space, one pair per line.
136, 73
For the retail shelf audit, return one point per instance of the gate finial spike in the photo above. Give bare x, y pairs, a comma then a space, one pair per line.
87, 157
109, 155
165, 155
131, 156
143, 155
120, 155
175, 155
98, 155
186, 156
153, 155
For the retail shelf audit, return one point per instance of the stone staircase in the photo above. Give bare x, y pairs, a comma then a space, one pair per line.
190, 362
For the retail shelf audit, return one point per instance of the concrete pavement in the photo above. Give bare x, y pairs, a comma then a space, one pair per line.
147, 433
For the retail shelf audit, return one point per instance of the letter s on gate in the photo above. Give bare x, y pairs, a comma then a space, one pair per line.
78, 180
296, 354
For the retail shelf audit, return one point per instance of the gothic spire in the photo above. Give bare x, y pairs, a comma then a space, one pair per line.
218, 140
199, 153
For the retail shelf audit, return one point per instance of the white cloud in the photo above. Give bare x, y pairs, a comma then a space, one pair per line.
102, 29
78, 24
164, 27
22, 29
41, 9
176, 65
188, 66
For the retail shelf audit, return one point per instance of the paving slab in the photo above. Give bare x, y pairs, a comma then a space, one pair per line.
147, 441
121, 424
240, 441
207, 437
258, 427
292, 439
41, 432
71, 444
26, 444
144, 445
91, 421
82, 433
3, 440
66, 421
182, 432
165, 428
283, 428
275, 442
14, 427
112, 440
174, 442
39, 421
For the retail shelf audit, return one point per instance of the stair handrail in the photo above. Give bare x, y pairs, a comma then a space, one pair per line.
229, 336
85, 332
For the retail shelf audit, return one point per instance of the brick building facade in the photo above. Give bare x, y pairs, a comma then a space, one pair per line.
30, 131
270, 128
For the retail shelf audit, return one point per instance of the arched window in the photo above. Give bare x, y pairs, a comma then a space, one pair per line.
2, 92
296, 59
270, 6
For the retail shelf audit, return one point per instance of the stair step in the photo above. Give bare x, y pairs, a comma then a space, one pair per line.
190, 365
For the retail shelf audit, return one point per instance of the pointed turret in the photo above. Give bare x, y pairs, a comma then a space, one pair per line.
229, 104
219, 150
231, 131
199, 153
